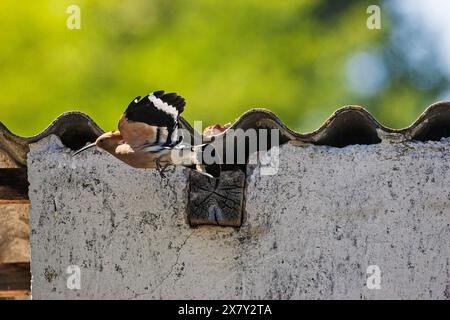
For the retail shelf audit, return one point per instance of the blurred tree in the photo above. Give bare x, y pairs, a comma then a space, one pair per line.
224, 57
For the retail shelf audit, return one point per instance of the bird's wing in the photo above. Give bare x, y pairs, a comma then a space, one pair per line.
152, 122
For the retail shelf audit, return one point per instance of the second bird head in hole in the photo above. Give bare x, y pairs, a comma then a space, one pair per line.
148, 137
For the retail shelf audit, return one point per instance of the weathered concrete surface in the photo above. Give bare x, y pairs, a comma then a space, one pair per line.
309, 231
330, 213
125, 228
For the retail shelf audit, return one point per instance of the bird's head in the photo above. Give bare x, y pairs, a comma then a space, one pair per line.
107, 141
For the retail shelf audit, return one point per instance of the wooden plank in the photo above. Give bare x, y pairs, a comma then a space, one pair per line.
13, 184
19, 201
15, 276
214, 202
15, 294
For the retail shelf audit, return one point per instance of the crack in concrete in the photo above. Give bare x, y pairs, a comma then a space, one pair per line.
136, 295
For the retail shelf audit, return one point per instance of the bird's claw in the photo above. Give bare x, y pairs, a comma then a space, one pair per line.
161, 169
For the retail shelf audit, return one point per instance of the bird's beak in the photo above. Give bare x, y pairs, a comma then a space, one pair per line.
84, 148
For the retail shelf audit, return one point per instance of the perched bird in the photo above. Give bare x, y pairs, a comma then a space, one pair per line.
148, 136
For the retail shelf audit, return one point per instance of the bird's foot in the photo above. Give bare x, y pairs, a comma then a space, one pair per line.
161, 173
162, 169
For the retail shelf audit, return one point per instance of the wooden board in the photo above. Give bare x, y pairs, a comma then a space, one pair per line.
15, 277
213, 202
13, 185
15, 294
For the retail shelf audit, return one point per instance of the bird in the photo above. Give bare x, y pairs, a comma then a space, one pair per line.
148, 137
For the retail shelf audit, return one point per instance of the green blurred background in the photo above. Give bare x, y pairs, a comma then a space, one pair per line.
301, 59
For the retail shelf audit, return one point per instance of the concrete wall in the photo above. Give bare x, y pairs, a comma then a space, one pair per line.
309, 232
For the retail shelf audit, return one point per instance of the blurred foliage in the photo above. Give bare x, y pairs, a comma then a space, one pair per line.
224, 57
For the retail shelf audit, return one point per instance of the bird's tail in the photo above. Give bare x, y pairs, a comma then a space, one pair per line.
201, 158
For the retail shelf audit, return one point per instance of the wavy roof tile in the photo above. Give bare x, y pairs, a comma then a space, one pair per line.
347, 126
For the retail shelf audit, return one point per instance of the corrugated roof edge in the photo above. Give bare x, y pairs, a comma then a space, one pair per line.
346, 126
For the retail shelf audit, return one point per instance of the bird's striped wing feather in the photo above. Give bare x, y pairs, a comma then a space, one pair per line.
156, 109
152, 122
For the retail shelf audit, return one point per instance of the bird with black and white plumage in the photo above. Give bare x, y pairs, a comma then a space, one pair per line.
148, 136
